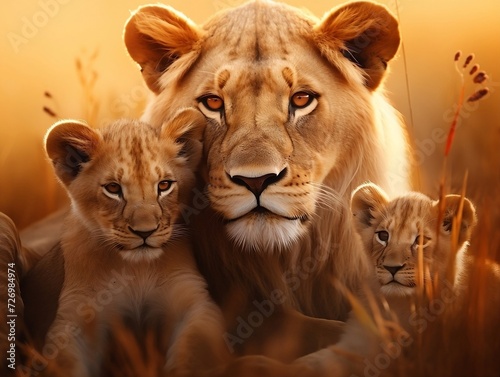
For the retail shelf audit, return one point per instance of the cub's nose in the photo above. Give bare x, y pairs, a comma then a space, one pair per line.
144, 234
258, 184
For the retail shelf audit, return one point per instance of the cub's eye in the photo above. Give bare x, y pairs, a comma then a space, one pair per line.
425, 241
301, 100
113, 188
212, 103
165, 186
382, 236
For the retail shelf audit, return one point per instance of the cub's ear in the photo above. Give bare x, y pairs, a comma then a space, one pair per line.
366, 201
69, 144
468, 221
363, 32
186, 128
156, 36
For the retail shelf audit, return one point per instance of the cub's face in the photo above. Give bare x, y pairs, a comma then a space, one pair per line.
394, 232
397, 232
128, 181
288, 103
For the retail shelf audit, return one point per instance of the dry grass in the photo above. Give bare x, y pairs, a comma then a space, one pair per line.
462, 338
87, 77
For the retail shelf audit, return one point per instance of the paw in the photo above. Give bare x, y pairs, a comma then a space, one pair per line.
323, 333
321, 363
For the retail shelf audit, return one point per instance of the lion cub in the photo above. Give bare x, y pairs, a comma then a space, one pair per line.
391, 231
125, 253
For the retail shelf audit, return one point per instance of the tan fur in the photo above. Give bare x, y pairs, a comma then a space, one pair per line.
113, 271
254, 58
404, 220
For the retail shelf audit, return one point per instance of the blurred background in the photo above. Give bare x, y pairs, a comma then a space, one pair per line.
68, 56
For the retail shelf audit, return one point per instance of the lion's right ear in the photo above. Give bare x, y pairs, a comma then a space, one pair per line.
362, 32
70, 144
156, 36
453, 203
367, 200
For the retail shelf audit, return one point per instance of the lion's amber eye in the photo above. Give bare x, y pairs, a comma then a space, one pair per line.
301, 99
164, 186
113, 188
212, 103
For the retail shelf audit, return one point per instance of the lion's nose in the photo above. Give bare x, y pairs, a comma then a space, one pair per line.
393, 269
258, 184
144, 234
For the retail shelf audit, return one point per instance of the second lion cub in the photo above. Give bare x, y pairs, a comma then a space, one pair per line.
392, 232
125, 254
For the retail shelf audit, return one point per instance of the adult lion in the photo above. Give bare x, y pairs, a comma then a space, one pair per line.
296, 119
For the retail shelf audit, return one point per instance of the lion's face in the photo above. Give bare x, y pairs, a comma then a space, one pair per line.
126, 181
288, 114
270, 148
395, 232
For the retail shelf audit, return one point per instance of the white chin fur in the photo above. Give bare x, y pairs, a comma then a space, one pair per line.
141, 255
264, 234
396, 290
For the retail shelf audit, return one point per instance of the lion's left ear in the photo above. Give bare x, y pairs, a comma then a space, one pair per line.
363, 32
366, 201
